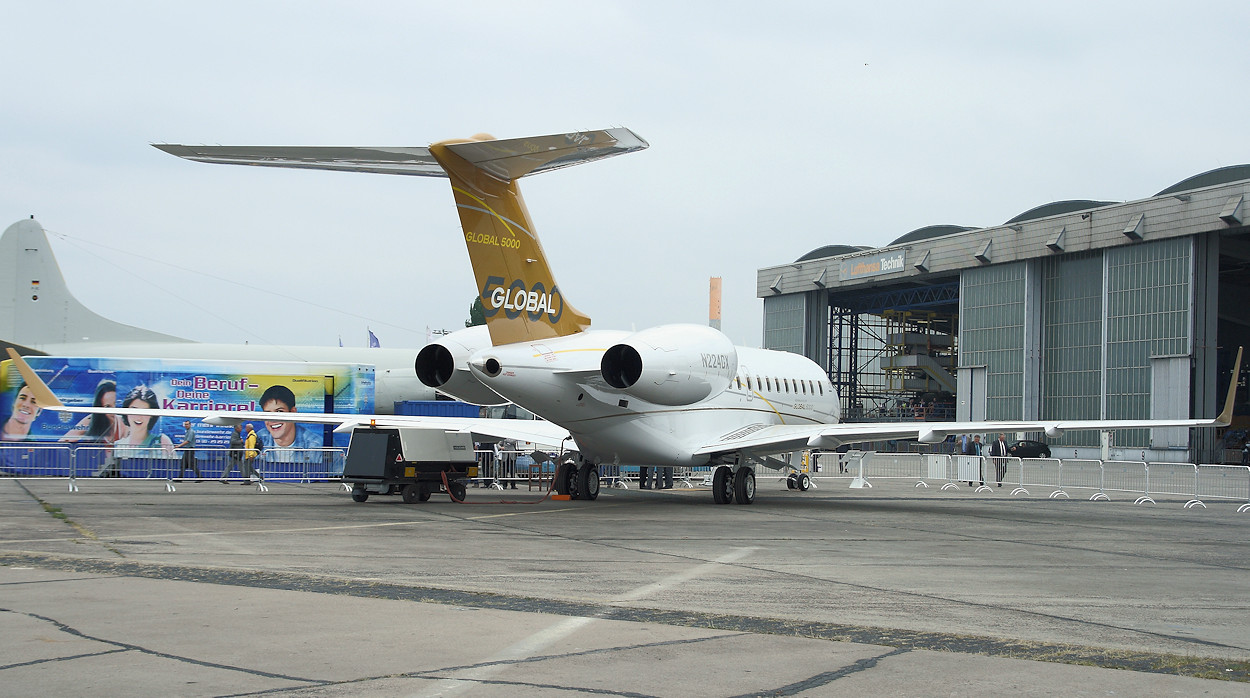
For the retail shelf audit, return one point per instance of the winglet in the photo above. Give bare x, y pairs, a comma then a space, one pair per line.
1226, 417
43, 394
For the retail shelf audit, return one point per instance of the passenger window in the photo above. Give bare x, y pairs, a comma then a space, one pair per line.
822, 387
787, 383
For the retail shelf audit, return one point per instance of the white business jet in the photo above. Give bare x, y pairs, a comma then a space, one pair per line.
668, 396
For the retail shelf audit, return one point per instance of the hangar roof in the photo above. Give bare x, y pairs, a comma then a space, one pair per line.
1214, 201
832, 251
931, 231
1210, 178
1056, 208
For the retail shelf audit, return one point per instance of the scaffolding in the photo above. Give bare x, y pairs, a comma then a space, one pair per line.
892, 354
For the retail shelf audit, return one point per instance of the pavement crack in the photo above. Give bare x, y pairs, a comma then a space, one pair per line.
56, 513
130, 647
67, 658
815, 682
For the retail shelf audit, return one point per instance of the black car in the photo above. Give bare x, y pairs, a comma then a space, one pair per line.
1029, 449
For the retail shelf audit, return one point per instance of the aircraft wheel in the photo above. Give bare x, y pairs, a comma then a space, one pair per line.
588, 482
792, 482
803, 482
744, 486
564, 475
411, 494
359, 495
722, 485
423, 492
457, 491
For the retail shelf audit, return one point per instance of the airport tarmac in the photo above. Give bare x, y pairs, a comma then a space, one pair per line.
218, 589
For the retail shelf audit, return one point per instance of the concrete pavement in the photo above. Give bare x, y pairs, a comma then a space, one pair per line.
221, 590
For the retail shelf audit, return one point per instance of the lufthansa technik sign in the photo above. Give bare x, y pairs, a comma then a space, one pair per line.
872, 266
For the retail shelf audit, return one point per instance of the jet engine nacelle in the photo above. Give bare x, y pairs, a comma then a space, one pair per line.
445, 365
671, 364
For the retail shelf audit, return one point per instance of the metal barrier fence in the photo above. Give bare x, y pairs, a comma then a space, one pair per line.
73, 462
1056, 477
1134, 478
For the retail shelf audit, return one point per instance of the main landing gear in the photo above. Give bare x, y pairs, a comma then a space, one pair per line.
579, 482
729, 486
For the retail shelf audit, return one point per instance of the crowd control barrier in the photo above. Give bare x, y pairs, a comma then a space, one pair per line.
1054, 478
74, 462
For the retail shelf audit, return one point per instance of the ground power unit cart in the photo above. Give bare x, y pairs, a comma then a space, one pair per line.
413, 463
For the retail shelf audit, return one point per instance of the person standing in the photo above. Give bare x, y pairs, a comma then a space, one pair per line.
998, 451
644, 477
664, 478
973, 448
507, 455
235, 458
251, 453
188, 453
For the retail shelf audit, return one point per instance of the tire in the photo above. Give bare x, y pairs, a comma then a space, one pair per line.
456, 491
1045, 454
564, 479
410, 494
588, 482
722, 485
792, 482
359, 496
423, 492
803, 482
744, 486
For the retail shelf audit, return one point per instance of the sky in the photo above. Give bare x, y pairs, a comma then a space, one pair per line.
775, 128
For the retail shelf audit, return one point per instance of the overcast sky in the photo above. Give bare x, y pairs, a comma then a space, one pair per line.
775, 128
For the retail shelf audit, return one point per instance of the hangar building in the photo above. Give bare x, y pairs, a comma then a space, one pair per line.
1074, 310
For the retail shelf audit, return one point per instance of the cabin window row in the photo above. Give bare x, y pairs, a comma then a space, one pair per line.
782, 385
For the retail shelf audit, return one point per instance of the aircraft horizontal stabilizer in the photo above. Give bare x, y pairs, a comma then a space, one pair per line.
506, 160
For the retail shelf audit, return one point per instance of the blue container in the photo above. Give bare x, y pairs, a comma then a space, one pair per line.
435, 408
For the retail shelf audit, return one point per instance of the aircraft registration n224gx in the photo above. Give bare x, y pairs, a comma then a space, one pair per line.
668, 396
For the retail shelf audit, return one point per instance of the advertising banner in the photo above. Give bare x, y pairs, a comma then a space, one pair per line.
224, 386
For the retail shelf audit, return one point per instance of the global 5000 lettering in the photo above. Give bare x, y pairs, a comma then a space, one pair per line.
489, 239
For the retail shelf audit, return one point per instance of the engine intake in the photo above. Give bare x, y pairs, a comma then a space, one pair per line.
672, 364
445, 365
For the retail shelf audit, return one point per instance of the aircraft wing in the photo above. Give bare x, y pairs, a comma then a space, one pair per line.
781, 438
491, 430
766, 439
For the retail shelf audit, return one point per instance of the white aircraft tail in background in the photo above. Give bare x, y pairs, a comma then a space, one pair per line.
40, 315
38, 311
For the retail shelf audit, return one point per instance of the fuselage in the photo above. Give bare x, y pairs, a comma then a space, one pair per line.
394, 378
559, 380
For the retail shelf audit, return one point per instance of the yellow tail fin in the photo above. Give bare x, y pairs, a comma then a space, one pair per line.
518, 291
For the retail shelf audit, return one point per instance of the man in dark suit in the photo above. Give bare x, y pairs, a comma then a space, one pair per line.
998, 451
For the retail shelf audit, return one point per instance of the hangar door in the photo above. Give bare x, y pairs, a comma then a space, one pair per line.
971, 394
1169, 399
